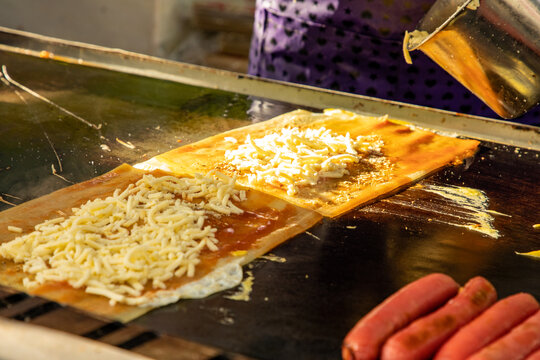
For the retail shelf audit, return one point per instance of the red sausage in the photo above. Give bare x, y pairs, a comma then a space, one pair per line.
415, 299
424, 336
488, 326
534, 356
521, 341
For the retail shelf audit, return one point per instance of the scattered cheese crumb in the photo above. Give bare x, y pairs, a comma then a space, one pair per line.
313, 235
274, 258
473, 5
6, 202
139, 237
410, 41
105, 147
14, 229
405, 48
127, 144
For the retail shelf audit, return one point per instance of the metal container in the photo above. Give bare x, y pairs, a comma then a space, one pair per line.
491, 46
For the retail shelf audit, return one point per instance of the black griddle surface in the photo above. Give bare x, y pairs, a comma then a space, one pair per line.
302, 306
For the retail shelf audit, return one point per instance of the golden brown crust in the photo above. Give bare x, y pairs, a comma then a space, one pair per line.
414, 153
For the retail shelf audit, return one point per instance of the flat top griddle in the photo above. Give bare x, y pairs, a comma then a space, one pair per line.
308, 295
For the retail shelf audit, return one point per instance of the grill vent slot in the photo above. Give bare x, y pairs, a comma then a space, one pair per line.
221, 357
12, 299
37, 311
104, 330
138, 340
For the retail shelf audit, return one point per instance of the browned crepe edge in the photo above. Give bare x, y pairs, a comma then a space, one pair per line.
205, 154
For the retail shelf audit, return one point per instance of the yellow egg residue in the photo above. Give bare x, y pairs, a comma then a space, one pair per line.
478, 216
274, 258
244, 292
532, 254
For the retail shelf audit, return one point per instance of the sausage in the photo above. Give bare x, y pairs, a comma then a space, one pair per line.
424, 336
365, 339
521, 341
488, 326
534, 356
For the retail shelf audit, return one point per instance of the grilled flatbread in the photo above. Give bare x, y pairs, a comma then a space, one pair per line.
236, 230
387, 156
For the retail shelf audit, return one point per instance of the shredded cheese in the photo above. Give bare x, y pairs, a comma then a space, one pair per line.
140, 236
405, 48
473, 5
412, 40
14, 229
294, 157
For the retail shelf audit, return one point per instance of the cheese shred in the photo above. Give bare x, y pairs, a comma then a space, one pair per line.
406, 53
293, 157
129, 242
14, 229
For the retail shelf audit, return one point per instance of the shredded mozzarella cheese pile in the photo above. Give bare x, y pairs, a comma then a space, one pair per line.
295, 157
147, 233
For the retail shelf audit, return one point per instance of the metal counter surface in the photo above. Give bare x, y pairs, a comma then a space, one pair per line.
317, 285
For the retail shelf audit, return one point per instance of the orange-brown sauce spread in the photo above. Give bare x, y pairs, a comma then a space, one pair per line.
237, 232
234, 232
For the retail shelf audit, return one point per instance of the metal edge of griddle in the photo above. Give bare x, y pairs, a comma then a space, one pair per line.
71, 330
485, 129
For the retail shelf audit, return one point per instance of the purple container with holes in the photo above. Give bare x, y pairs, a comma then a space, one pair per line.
356, 46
